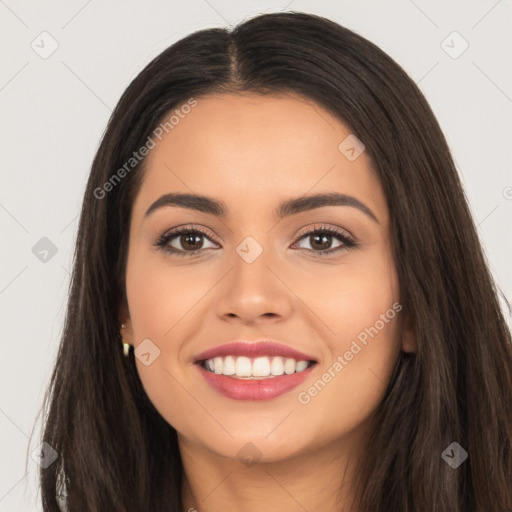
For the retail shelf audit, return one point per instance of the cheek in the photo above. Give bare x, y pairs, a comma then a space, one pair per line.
362, 311
161, 295
165, 307
350, 387
350, 299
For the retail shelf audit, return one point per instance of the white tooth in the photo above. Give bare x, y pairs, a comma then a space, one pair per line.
243, 367
301, 366
229, 366
289, 366
217, 361
261, 367
277, 367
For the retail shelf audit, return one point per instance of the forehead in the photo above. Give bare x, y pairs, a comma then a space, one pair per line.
256, 149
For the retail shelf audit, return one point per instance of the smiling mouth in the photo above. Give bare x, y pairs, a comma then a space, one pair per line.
256, 368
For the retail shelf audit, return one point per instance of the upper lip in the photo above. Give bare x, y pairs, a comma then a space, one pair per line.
253, 349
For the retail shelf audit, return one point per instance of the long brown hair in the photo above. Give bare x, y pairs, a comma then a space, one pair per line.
116, 453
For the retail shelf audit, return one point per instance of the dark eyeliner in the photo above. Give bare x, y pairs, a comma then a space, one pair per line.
347, 241
162, 241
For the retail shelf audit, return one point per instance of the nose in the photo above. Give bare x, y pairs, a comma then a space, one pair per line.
254, 292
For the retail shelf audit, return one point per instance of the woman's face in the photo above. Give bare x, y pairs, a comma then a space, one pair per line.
255, 273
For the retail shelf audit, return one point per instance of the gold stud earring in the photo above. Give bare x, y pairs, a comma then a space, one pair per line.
126, 346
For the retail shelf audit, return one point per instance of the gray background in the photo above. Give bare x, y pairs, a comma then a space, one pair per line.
54, 111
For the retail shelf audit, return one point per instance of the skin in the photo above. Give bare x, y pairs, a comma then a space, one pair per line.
252, 152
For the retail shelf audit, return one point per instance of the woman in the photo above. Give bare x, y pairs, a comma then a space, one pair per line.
279, 300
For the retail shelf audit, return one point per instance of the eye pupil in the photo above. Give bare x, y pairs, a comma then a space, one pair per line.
193, 239
319, 239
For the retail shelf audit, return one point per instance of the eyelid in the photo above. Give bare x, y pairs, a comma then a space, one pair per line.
347, 240
189, 227
162, 242
326, 227
306, 231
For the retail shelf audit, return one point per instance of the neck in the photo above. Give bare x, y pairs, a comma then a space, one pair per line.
321, 479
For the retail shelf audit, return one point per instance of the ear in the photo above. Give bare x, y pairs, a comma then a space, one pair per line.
126, 332
409, 342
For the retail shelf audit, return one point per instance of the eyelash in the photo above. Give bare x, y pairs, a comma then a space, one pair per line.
162, 242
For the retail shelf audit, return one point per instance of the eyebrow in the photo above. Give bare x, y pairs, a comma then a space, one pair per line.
289, 207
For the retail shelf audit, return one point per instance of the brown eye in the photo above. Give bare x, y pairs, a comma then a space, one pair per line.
183, 242
320, 240
191, 241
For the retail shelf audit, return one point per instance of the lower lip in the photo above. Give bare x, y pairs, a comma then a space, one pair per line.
257, 389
